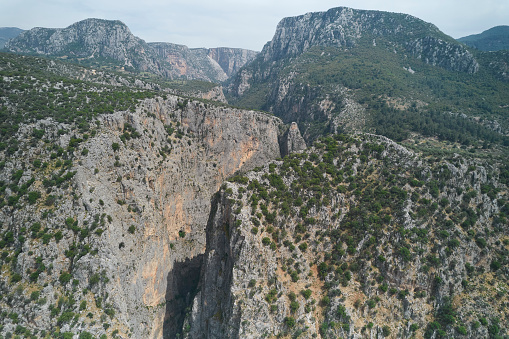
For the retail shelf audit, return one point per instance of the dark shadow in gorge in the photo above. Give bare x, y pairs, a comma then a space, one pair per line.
181, 288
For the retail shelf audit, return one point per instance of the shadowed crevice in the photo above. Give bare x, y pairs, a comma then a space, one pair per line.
182, 286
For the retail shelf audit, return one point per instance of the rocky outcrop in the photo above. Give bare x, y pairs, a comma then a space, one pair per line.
292, 141
90, 38
437, 52
345, 28
7, 33
111, 43
138, 195
231, 60
322, 264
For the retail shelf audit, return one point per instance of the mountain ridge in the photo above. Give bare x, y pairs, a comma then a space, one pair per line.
7, 33
322, 69
110, 42
493, 39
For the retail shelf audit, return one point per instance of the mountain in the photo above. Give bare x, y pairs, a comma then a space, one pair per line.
7, 33
99, 43
348, 69
493, 39
134, 206
214, 64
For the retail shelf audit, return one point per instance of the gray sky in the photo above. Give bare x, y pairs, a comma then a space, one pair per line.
238, 23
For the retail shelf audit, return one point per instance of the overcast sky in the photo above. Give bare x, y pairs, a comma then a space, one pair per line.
238, 23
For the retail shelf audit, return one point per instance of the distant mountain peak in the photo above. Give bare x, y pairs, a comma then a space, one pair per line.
110, 42
7, 33
493, 39
344, 27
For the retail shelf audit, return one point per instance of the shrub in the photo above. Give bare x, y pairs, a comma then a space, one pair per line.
405, 253
303, 246
495, 265
65, 277
461, 330
65, 317
386, 331
58, 236
16, 277
33, 197
35, 295
294, 306
306, 293
289, 321
94, 279
85, 335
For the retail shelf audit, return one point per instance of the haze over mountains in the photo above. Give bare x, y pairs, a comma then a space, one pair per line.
360, 190
7, 33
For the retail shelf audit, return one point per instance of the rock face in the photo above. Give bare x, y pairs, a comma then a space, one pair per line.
292, 141
135, 201
438, 52
214, 64
111, 43
296, 250
231, 60
87, 38
345, 28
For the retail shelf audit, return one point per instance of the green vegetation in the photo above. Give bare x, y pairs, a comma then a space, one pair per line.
429, 100
296, 206
53, 96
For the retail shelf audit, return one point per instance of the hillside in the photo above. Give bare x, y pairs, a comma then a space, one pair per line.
136, 203
351, 70
110, 44
493, 39
357, 237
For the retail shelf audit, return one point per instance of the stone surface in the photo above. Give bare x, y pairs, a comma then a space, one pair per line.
150, 197
292, 141
112, 42
246, 282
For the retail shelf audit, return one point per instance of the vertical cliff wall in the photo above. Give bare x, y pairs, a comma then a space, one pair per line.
124, 218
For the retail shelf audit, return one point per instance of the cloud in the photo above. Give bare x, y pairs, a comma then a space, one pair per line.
247, 24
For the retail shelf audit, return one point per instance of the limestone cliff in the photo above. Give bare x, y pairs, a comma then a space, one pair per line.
292, 141
116, 211
345, 28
